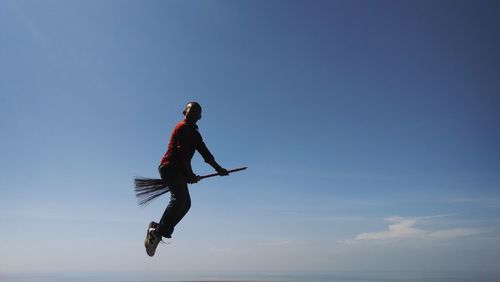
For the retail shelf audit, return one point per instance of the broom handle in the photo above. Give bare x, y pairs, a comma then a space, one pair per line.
229, 171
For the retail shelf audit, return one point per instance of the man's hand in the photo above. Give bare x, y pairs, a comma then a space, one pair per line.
193, 178
222, 171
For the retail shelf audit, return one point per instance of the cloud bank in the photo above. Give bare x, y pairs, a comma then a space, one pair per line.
401, 228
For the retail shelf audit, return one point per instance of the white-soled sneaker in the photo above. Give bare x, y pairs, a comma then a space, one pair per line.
152, 239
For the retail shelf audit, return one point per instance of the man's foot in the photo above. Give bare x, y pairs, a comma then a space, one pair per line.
152, 239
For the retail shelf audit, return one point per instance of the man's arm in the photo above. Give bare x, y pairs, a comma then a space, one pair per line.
209, 158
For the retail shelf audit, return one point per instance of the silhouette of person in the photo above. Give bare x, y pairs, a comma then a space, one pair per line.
175, 169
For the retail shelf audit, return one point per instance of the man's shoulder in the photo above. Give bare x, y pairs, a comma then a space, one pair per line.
180, 124
183, 125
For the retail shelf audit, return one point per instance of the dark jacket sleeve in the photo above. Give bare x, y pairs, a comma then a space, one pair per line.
203, 150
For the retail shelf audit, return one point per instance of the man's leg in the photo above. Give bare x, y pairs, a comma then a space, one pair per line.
176, 209
179, 204
184, 207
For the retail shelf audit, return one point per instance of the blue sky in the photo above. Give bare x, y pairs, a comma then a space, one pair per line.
370, 129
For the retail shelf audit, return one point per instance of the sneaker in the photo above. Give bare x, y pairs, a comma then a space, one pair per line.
152, 239
152, 224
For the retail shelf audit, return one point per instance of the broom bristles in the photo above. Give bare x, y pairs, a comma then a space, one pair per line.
148, 189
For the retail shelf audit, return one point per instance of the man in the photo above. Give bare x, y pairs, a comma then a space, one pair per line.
175, 169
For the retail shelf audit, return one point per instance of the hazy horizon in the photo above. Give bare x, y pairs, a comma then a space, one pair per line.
297, 277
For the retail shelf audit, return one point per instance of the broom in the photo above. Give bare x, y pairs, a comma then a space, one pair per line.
148, 189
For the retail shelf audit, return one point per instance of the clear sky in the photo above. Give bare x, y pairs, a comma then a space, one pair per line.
370, 128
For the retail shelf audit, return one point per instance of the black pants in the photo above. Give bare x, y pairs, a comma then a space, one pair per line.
180, 201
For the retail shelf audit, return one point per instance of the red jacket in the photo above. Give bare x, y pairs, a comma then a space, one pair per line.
185, 140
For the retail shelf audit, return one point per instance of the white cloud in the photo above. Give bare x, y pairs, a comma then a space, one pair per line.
401, 228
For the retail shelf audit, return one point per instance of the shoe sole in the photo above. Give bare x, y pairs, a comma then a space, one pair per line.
152, 224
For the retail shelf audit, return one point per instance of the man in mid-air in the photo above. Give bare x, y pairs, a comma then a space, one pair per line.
175, 169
